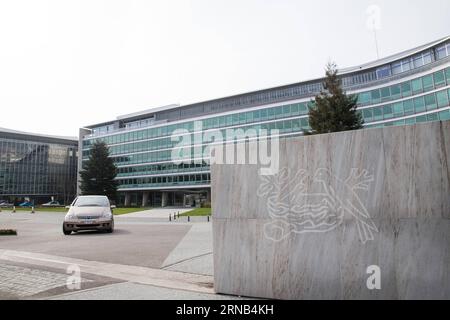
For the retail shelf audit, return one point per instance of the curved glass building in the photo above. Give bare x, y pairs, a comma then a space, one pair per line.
406, 88
37, 168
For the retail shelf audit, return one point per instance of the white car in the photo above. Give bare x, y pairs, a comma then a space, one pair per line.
89, 213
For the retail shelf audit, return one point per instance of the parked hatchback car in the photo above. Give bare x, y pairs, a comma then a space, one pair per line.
5, 204
89, 213
52, 204
26, 204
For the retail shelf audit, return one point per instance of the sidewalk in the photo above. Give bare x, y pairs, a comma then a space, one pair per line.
135, 291
161, 213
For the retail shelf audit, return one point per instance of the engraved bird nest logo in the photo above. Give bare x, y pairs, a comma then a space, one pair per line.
300, 203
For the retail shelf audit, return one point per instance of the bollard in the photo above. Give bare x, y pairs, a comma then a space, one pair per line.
208, 218
14, 209
32, 209
189, 218
170, 217
178, 214
174, 216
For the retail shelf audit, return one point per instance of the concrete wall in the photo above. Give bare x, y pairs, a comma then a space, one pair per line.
340, 203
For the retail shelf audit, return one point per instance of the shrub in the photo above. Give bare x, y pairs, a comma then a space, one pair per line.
8, 232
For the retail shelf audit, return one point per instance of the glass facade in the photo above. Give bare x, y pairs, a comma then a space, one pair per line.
409, 90
37, 168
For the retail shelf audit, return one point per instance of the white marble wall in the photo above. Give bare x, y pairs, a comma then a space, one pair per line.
408, 201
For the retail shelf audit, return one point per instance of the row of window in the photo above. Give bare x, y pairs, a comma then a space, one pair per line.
398, 67
443, 115
204, 178
192, 179
284, 126
428, 102
162, 168
292, 110
408, 88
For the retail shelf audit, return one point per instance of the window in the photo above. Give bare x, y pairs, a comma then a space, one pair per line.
430, 101
294, 110
367, 114
410, 121
387, 111
385, 93
229, 120
439, 78
296, 125
427, 57
263, 114
279, 126
279, 112
433, 117
288, 125
398, 123
418, 61
397, 68
375, 96
441, 52
406, 65
235, 119
364, 98
447, 75
398, 109
428, 83
249, 117
383, 72
406, 89
419, 104
305, 123
378, 113
444, 115
421, 119
303, 108
442, 98
395, 91
241, 118
256, 116
416, 85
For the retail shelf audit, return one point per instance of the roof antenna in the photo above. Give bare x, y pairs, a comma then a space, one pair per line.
376, 43
374, 23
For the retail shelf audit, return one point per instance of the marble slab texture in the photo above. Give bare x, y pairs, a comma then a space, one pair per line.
340, 203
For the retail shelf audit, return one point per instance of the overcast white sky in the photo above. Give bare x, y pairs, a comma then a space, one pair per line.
65, 64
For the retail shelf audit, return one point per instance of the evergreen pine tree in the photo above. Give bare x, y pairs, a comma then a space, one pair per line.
99, 171
333, 110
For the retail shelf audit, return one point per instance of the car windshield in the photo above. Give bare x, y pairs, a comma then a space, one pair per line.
91, 202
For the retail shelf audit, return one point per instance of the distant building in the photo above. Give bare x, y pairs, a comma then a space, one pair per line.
406, 88
37, 167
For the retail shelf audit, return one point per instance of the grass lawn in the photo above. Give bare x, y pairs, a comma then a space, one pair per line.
198, 212
37, 209
119, 211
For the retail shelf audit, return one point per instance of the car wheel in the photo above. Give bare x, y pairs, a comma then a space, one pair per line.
111, 230
66, 232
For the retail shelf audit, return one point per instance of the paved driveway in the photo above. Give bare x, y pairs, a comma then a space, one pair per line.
139, 243
145, 249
